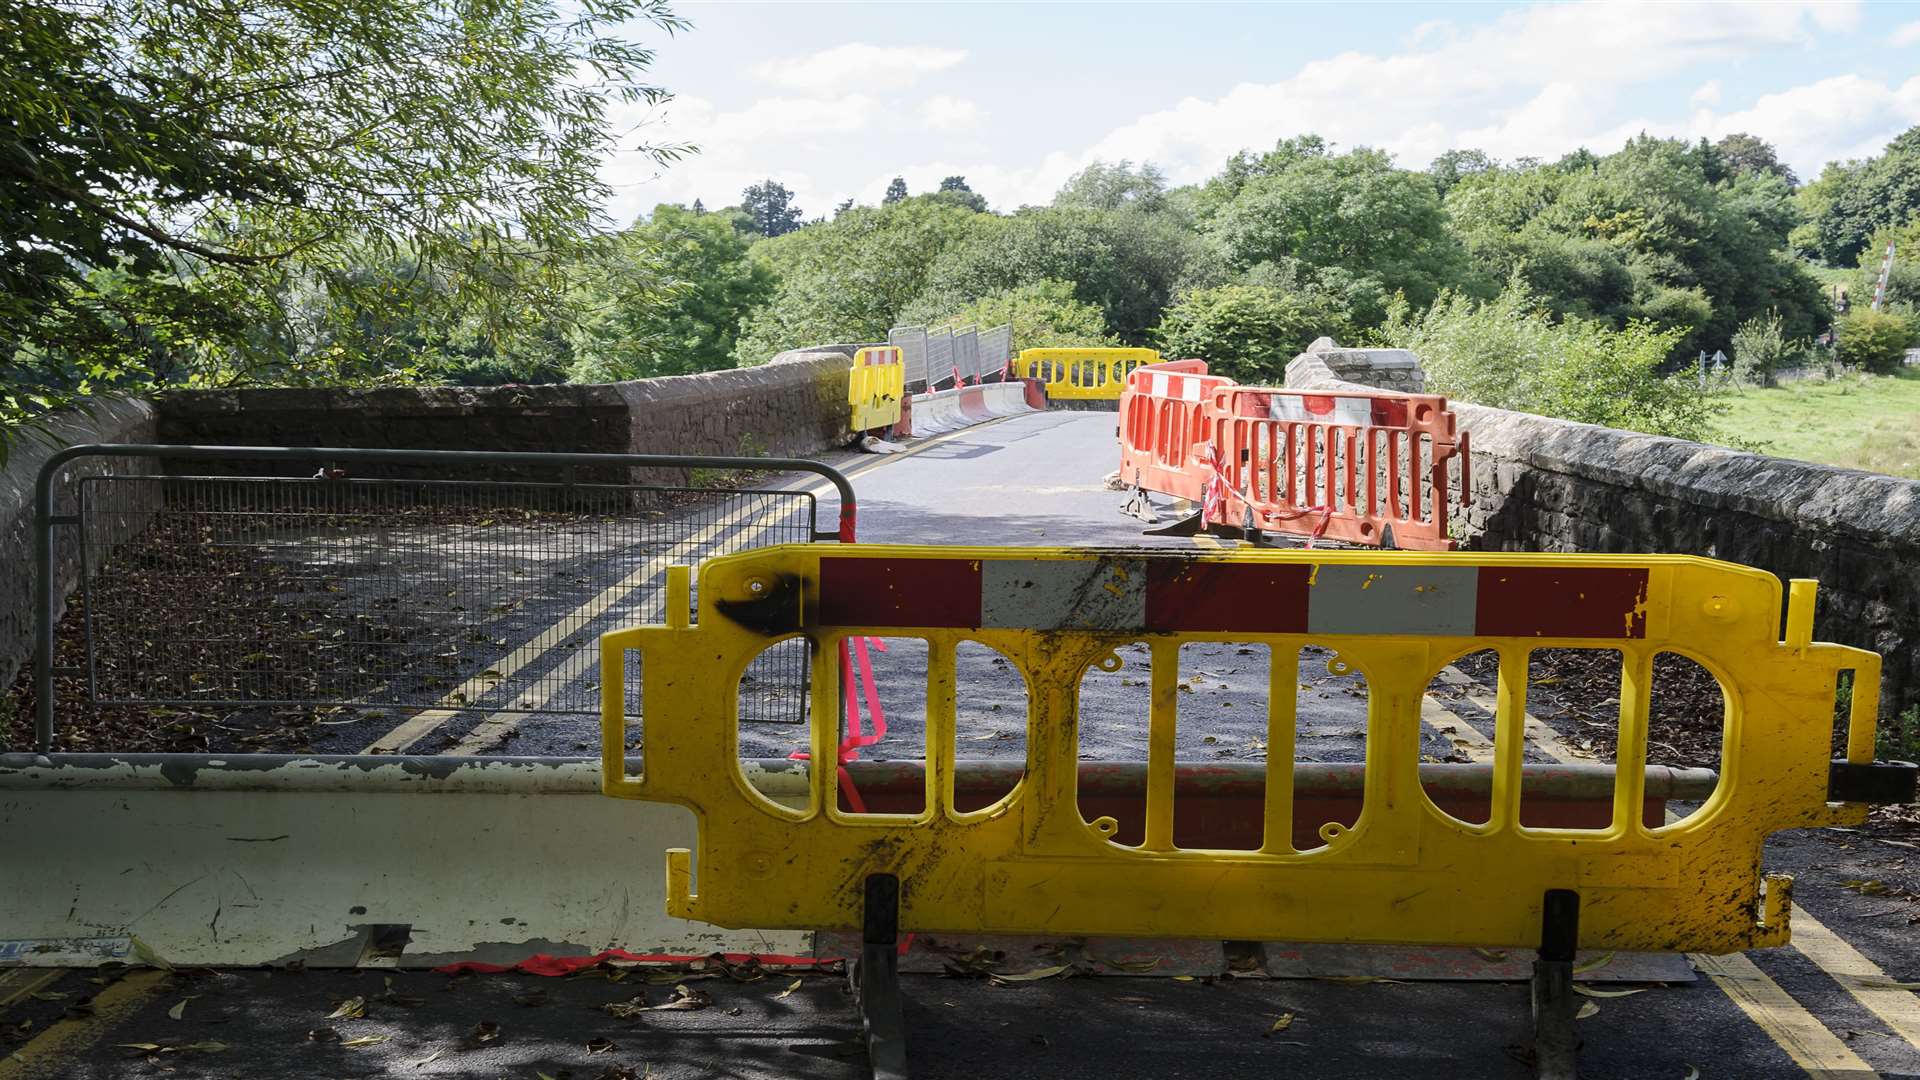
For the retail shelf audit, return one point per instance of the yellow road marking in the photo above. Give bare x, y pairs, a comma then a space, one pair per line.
1795, 1030
50, 1053
1788, 1023
496, 726
1861, 977
417, 727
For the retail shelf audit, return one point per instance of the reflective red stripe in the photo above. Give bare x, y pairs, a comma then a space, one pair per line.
1583, 602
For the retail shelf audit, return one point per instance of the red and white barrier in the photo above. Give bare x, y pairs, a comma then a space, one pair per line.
964, 406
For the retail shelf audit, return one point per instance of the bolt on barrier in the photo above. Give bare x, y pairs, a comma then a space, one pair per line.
1082, 374
248, 578
1381, 469
876, 385
1402, 872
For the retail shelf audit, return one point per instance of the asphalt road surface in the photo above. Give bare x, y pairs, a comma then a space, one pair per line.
1831, 1005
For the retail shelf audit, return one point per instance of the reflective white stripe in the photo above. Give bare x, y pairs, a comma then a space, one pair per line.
1159, 384
1345, 410
1389, 599
1063, 594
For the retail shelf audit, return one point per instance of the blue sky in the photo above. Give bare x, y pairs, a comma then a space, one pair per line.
834, 99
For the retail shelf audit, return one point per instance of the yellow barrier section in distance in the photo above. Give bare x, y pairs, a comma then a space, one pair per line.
1402, 872
875, 385
1083, 374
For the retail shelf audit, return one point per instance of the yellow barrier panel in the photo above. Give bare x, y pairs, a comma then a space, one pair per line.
875, 386
1402, 872
1083, 374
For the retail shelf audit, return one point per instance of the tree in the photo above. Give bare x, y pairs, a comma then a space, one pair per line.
1511, 353
1125, 263
1454, 166
1043, 315
699, 207
1116, 186
1302, 203
706, 285
769, 208
842, 206
848, 279
1863, 197
1248, 332
1747, 154
896, 190
204, 163
955, 192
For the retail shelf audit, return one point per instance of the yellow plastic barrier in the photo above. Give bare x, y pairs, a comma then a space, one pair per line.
1083, 374
1403, 872
875, 385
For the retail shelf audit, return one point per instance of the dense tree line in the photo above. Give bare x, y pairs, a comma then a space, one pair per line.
287, 191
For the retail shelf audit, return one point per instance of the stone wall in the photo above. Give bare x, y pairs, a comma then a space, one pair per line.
795, 406
110, 420
1541, 484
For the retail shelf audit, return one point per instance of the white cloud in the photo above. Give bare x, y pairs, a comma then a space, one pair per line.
1908, 34
1533, 81
858, 65
945, 113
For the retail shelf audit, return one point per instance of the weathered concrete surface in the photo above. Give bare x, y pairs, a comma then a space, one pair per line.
108, 420
1387, 369
1541, 484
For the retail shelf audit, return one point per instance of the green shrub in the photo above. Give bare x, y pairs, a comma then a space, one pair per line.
1761, 348
1248, 332
1512, 354
1876, 340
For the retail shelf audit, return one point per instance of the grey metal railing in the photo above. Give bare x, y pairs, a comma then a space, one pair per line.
223, 588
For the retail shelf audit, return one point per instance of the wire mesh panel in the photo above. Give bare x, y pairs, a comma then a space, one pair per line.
411, 594
966, 354
912, 341
996, 348
939, 357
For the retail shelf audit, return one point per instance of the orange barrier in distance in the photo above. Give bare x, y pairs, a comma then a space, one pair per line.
1375, 468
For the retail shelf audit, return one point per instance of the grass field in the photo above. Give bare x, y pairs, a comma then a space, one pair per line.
1866, 422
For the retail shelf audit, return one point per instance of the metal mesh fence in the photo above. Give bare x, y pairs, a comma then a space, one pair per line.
966, 354
939, 357
451, 594
996, 348
913, 350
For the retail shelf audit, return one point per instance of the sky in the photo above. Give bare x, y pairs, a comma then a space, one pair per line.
835, 99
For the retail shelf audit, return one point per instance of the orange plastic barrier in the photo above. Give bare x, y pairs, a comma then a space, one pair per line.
1373, 468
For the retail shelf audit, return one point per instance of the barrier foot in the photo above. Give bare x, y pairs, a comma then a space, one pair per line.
1554, 1002
1139, 505
1191, 525
876, 980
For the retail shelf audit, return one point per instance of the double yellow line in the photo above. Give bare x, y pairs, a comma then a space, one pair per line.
497, 725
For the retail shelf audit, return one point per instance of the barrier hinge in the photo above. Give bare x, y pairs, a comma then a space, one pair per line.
1878, 782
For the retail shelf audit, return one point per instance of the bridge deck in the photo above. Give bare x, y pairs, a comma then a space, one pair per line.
1816, 1008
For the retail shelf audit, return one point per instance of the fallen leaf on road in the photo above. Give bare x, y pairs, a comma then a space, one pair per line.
324, 1034
601, 1045
429, 1059
367, 1040
485, 1031
1493, 956
1594, 964
791, 987
531, 998
1030, 976
351, 1009
180, 1011
1587, 1008
1591, 992
1283, 1023
1693, 1073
